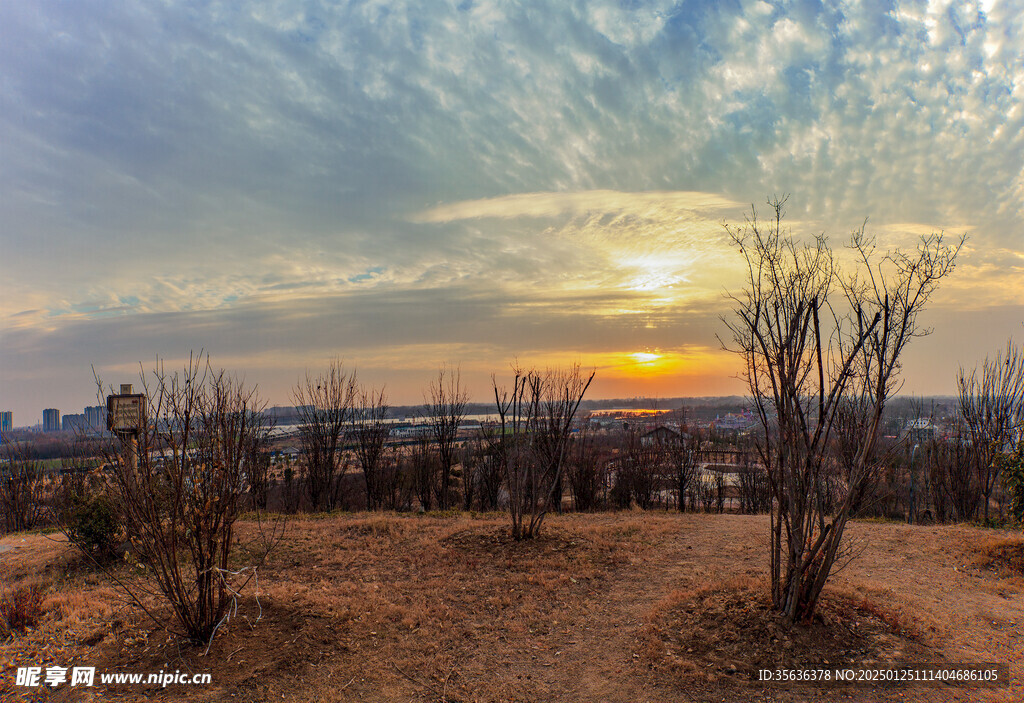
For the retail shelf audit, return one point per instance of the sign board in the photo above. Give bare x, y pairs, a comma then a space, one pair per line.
126, 413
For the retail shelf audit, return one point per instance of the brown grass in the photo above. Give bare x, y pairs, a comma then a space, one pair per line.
611, 607
1003, 555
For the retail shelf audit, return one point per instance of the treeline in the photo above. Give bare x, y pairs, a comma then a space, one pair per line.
603, 470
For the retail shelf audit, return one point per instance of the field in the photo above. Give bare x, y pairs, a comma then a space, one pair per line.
625, 607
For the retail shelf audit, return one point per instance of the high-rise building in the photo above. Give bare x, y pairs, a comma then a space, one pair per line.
6, 421
51, 420
73, 423
96, 418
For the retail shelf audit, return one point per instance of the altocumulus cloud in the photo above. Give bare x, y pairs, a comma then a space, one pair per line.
260, 180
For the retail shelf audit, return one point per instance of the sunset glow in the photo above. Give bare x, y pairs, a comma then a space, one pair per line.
409, 185
646, 358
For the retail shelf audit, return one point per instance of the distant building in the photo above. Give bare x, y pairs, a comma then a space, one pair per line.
96, 418
735, 421
51, 420
660, 436
73, 423
920, 431
411, 431
6, 421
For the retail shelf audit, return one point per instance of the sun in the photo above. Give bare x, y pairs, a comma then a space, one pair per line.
645, 357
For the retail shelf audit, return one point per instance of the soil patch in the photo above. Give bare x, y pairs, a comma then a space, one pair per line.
728, 633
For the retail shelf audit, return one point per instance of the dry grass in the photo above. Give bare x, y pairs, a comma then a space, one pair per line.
1003, 555
612, 607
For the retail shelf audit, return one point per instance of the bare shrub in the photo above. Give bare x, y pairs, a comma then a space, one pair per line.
532, 440
20, 609
180, 485
816, 340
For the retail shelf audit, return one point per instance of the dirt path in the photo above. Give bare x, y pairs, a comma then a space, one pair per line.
604, 652
599, 662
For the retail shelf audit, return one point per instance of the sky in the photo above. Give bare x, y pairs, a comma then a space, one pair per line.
407, 184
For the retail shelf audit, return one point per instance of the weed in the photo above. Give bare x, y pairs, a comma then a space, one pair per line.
20, 609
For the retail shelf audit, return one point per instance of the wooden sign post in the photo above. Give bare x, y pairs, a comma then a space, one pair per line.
126, 418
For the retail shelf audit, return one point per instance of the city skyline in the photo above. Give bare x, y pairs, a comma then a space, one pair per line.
404, 186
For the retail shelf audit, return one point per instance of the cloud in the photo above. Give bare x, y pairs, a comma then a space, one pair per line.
646, 205
182, 162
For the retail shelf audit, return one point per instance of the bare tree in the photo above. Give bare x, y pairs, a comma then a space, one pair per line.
562, 391
180, 482
992, 410
22, 487
704, 489
446, 408
257, 472
370, 432
814, 341
392, 485
938, 480
291, 488
486, 471
754, 491
684, 456
640, 468
751, 480
951, 473
401, 480
423, 469
585, 469
535, 421
325, 407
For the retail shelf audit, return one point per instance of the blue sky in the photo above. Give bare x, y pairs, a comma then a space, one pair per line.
408, 184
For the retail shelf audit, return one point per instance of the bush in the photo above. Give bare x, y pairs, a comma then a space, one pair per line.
20, 609
1012, 466
93, 524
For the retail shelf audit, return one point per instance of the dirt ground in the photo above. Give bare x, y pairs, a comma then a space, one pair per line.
617, 607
